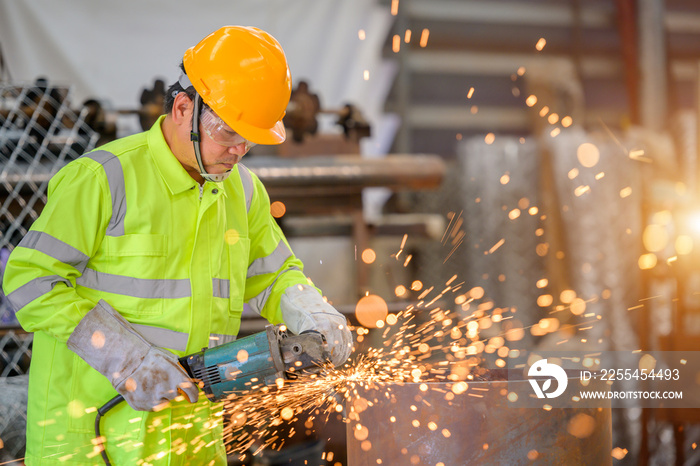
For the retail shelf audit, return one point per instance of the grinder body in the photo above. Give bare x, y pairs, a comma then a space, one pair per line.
255, 361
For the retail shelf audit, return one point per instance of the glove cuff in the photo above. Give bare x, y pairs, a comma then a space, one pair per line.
108, 343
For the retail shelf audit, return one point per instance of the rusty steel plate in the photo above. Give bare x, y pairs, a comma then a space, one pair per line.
444, 424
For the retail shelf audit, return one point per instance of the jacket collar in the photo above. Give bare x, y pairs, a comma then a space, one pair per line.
173, 173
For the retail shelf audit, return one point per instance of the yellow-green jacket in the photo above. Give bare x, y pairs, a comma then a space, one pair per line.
127, 224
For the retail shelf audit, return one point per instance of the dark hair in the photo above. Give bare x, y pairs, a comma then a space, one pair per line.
174, 90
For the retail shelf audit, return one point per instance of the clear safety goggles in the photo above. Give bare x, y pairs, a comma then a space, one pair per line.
219, 131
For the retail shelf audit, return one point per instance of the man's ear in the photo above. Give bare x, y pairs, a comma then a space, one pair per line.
182, 109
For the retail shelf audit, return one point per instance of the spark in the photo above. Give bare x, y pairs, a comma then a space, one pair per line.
639, 156
452, 229
581, 190
496, 246
453, 250
424, 37
394, 7
396, 43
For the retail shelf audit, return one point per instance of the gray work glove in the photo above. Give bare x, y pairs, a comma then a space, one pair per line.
145, 375
303, 308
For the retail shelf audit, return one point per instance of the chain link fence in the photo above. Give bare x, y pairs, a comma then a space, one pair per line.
39, 133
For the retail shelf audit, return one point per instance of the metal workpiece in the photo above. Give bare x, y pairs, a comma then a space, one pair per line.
396, 171
434, 424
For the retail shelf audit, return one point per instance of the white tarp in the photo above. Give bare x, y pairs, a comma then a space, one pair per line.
111, 50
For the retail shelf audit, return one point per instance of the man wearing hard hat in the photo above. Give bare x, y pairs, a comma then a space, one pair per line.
160, 238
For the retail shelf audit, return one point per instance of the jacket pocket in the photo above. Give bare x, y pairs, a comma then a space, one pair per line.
134, 245
140, 261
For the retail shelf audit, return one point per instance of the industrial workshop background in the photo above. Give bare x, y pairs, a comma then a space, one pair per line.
544, 152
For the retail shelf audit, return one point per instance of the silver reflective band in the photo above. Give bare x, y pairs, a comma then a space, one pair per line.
163, 337
34, 289
52, 247
135, 287
247, 182
270, 263
115, 178
257, 303
222, 288
218, 339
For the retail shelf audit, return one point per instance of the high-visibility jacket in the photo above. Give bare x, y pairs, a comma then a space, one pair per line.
127, 224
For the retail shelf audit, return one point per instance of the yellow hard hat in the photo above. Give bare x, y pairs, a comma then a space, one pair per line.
242, 74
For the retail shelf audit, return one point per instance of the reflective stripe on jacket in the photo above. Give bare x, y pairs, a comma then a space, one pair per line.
126, 223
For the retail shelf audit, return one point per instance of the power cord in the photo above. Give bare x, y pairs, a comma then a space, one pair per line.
101, 412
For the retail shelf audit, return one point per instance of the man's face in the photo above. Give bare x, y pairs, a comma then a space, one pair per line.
221, 147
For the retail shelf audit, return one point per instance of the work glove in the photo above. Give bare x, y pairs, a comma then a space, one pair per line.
303, 308
145, 375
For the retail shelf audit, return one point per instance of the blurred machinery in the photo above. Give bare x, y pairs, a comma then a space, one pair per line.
301, 112
304, 108
307, 135
99, 116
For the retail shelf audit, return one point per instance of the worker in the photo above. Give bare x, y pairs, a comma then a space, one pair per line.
146, 251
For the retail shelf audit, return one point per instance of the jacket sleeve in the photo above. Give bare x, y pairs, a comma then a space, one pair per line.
41, 272
273, 266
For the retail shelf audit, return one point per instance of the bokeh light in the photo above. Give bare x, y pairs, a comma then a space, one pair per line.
370, 309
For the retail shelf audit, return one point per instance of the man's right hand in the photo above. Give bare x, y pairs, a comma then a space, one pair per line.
145, 375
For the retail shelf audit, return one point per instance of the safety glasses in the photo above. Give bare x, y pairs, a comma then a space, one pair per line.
219, 131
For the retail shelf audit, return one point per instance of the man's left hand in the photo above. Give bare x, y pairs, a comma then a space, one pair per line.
303, 309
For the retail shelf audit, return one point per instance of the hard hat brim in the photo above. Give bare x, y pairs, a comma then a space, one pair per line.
272, 136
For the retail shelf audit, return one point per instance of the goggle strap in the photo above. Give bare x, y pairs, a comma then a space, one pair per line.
194, 134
